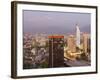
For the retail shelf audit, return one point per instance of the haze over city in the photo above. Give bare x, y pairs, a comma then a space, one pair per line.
55, 22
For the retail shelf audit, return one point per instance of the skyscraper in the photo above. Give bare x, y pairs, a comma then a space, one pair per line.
86, 42
56, 51
77, 36
71, 43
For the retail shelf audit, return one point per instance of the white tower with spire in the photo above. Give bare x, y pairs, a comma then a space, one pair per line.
77, 36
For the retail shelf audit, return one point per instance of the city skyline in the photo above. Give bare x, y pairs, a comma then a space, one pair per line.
55, 22
56, 39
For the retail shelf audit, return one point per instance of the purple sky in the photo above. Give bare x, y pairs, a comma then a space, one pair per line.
55, 22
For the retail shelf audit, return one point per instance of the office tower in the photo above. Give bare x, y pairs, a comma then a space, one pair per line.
85, 43
77, 36
56, 51
71, 43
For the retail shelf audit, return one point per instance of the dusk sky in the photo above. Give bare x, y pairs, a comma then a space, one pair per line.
55, 22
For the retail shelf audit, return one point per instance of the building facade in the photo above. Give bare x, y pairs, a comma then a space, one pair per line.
71, 43
56, 51
86, 43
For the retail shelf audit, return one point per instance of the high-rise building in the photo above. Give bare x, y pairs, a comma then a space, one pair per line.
71, 43
56, 51
85, 43
77, 36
